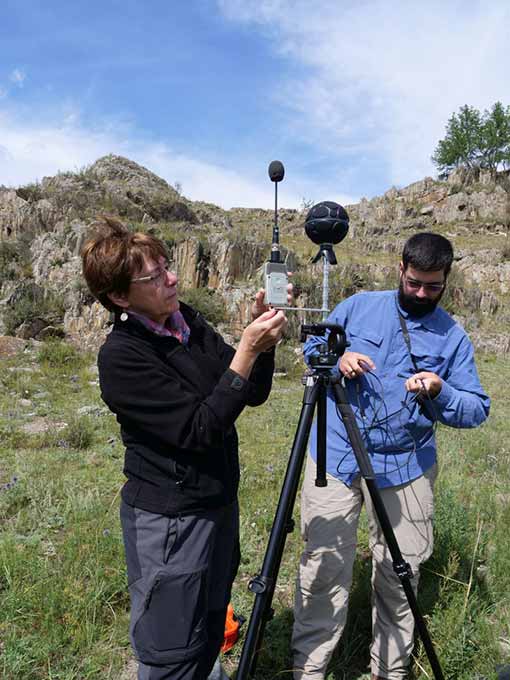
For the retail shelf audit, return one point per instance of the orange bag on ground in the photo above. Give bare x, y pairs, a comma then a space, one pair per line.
232, 625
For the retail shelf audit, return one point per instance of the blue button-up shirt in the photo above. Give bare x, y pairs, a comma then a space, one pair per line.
398, 433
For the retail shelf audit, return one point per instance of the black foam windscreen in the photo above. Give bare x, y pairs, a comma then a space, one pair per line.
276, 171
327, 222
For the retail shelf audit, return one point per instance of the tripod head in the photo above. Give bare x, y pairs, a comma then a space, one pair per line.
328, 354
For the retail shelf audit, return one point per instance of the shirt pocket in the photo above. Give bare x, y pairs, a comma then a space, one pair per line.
427, 350
432, 362
365, 341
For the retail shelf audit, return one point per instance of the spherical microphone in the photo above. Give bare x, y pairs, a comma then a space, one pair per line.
276, 171
327, 222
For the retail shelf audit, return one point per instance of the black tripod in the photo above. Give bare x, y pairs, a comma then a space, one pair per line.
264, 584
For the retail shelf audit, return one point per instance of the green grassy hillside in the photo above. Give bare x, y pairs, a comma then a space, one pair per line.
63, 594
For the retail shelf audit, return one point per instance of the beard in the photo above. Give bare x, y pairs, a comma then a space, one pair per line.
414, 305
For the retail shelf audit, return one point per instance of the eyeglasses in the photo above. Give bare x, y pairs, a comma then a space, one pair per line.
157, 277
414, 284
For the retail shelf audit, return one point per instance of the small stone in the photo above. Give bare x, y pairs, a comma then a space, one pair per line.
504, 646
39, 424
482, 572
92, 410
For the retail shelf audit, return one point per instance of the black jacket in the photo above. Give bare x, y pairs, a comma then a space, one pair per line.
176, 406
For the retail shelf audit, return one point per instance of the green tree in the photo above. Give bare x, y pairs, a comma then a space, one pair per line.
495, 150
475, 140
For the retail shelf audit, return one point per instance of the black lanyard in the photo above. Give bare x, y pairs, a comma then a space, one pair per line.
407, 339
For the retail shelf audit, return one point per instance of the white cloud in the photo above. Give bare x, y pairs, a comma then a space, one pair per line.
30, 151
380, 79
18, 77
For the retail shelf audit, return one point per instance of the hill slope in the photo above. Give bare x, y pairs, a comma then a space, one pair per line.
219, 252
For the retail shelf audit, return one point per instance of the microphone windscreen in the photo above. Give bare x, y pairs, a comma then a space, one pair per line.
276, 171
327, 222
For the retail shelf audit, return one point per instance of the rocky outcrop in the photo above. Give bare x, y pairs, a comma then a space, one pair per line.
479, 201
225, 250
19, 216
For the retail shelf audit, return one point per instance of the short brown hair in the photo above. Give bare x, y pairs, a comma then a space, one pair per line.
113, 254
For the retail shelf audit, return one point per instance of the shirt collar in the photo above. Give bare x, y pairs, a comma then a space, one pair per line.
175, 326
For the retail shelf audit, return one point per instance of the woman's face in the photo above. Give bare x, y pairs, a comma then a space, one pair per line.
153, 291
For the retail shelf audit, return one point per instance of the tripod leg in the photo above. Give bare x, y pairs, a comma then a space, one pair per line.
400, 566
263, 585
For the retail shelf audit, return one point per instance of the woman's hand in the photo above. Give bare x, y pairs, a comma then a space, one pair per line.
262, 334
259, 307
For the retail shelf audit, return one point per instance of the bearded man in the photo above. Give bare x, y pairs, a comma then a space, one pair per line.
409, 365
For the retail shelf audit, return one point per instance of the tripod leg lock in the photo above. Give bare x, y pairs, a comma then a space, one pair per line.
259, 584
403, 570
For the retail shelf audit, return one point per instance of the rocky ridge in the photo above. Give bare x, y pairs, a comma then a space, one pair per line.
42, 228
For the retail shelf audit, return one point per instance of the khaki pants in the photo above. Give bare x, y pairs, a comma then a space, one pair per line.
329, 521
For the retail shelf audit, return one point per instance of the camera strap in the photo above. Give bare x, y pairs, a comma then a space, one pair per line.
407, 339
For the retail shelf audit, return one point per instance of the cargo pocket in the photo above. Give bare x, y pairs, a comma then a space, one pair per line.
171, 538
172, 625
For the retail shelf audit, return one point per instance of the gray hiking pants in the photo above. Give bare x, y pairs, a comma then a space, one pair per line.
180, 573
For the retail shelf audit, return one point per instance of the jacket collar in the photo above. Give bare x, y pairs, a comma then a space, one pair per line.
134, 326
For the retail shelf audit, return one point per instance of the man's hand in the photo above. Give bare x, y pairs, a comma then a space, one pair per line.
258, 307
424, 382
354, 364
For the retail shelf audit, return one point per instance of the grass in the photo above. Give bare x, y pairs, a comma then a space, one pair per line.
63, 596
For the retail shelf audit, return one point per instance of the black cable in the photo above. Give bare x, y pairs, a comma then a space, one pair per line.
388, 431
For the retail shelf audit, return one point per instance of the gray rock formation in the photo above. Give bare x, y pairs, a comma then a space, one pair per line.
224, 250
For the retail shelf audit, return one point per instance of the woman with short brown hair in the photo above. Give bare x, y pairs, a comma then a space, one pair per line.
176, 388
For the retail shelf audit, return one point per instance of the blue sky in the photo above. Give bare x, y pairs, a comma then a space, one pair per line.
351, 96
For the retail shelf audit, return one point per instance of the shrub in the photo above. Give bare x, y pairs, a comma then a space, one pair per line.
79, 433
459, 297
343, 282
32, 304
30, 192
14, 258
288, 360
57, 353
207, 302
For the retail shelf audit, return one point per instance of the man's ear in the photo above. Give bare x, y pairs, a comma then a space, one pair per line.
401, 268
119, 299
